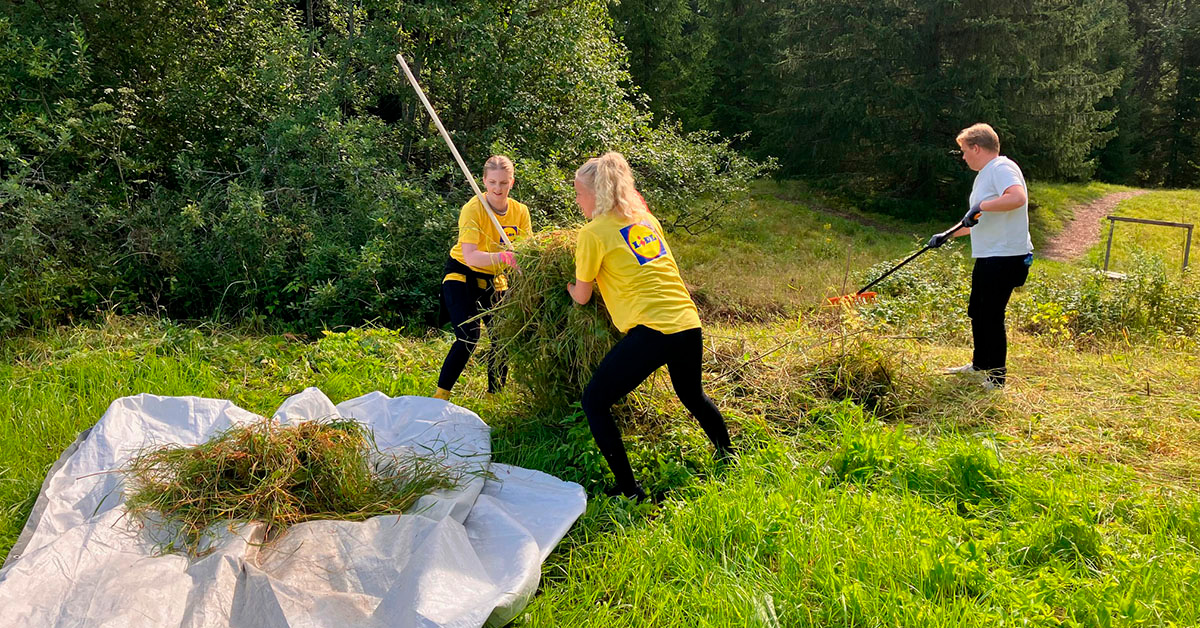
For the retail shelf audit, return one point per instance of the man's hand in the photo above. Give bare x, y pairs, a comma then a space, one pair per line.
938, 239
972, 217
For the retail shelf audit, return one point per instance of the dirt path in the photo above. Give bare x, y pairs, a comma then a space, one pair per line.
1084, 230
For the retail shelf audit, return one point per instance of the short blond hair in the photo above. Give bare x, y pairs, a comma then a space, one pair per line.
981, 135
611, 179
498, 162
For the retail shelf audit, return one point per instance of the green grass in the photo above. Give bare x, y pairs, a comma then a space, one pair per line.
1165, 243
1021, 505
780, 540
780, 252
872, 489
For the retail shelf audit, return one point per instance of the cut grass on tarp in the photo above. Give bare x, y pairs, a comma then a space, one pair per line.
554, 345
279, 475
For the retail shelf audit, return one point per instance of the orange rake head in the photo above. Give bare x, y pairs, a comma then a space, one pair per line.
851, 299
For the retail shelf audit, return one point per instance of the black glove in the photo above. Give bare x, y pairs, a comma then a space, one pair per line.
938, 239
972, 217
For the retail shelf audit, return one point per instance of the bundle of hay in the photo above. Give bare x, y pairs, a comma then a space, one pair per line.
553, 344
278, 475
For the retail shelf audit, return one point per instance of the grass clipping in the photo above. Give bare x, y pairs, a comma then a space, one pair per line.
553, 344
275, 474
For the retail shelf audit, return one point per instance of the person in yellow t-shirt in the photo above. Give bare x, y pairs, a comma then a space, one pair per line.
474, 281
622, 250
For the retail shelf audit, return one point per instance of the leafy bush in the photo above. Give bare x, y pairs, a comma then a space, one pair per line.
262, 158
929, 294
1084, 304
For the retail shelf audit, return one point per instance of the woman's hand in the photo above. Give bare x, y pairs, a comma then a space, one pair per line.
580, 291
483, 259
509, 259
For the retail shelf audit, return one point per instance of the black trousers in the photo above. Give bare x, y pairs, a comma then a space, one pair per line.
465, 301
628, 364
992, 282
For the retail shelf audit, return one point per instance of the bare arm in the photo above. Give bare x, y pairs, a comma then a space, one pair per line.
1014, 196
581, 291
479, 259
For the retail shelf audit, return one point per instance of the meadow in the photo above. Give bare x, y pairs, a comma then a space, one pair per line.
871, 489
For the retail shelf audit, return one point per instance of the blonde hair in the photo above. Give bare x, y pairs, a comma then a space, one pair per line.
981, 135
611, 179
498, 162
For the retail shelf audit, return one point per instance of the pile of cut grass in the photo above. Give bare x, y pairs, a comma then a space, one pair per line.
554, 345
278, 475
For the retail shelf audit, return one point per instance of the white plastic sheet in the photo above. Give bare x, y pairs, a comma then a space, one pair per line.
462, 558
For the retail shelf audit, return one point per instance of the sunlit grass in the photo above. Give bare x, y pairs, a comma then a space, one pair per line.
777, 253
872, 489
1167, 243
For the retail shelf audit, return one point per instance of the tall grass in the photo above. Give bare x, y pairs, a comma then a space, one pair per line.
872, 490
871, 527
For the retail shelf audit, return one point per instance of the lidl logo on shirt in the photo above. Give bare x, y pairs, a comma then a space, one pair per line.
510, 231
644, 242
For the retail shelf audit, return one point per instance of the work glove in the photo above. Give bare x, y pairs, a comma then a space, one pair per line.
972, 217
938, 239
509, 260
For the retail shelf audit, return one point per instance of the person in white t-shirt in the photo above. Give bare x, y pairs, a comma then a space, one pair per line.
998, 223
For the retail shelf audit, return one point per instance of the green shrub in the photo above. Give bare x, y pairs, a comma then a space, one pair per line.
928, 295
1083, 304
263, 159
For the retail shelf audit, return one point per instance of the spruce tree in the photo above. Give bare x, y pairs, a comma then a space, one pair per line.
1183, 155
872, 93
669, 43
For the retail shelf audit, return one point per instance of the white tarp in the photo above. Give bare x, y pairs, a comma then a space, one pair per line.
467, 557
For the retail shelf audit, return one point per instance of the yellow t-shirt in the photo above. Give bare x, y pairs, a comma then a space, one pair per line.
474, 227
636, 273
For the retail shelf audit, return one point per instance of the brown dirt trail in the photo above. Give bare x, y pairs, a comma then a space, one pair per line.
1083, 231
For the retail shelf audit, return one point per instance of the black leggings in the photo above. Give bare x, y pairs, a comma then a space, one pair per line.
992, 282
628, 364
465, 300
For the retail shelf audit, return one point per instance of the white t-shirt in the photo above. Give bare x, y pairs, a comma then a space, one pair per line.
1000, 233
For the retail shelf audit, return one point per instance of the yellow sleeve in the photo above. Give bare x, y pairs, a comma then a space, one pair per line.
658, 228
588, 256
470, 227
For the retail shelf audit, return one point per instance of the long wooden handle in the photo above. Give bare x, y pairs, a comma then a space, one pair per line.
450, 143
